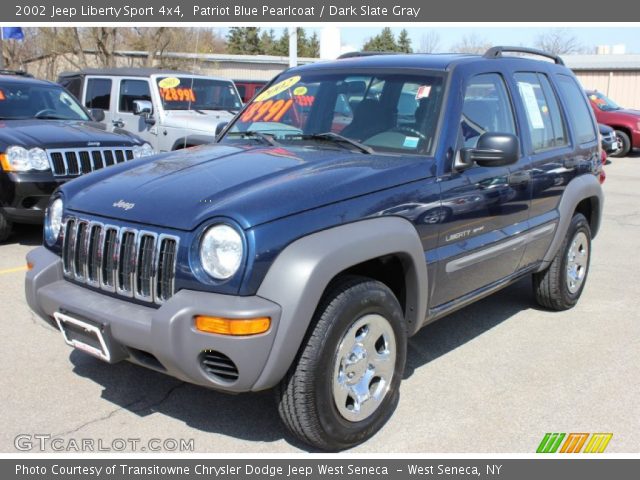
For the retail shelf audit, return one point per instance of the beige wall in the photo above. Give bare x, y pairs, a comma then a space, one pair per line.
622, 86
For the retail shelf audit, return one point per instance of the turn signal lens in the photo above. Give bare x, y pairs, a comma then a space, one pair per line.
4, 163
232, 326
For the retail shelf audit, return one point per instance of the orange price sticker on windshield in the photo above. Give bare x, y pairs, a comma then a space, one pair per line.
178, 94
2, 97
267, 111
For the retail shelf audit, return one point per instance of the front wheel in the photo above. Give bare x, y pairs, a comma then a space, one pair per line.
559, 286
345, 383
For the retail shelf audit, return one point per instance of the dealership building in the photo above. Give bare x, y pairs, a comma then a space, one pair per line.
616, 75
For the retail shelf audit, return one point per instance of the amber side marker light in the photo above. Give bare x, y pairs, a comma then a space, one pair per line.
232, 326
29, 266
4, 163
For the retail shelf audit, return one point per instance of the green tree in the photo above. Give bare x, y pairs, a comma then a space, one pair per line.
268, 42
383, 42
244, 40
404, 42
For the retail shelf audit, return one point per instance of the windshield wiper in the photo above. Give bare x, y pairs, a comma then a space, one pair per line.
258, 135
337, 138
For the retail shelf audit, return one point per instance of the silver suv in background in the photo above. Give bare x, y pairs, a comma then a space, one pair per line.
167, 108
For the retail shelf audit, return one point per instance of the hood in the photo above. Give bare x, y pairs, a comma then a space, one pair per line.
59, 134
251, 185
192, 120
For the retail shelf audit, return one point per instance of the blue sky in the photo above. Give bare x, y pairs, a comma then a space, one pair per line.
588, 36
497, 35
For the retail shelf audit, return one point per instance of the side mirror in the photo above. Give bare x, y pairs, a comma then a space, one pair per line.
142, 107
492, 150
221, 126
97, 114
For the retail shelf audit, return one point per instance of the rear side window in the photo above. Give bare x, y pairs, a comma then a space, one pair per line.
73, 84
98, 93
486, 108
544, 118
131, 90
578, 109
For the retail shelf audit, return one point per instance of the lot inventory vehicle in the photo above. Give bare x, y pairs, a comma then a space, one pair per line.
249, 88
608, 139
47, 138
295, 257
625, 122
167, 108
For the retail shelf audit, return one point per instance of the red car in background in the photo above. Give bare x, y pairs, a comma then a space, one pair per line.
625, 122
249, 88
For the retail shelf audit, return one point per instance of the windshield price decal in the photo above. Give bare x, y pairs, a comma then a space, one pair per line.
169, 82
278, 88
178, 94
2, 97
268, 111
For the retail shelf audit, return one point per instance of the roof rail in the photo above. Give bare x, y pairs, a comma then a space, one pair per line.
365, 54
496, 52
20, 73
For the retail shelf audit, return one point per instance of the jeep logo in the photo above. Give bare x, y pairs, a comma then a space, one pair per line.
124, 205
93, 144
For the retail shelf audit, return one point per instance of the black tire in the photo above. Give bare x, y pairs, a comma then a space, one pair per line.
305, 396
552, 287
625, 144
5, 227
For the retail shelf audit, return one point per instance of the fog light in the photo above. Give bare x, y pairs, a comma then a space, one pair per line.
232, 326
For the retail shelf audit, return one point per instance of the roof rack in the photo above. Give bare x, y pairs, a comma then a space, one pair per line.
364, 54
496, 52
20, 73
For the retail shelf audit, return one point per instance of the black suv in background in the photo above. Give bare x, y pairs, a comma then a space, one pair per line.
47, 138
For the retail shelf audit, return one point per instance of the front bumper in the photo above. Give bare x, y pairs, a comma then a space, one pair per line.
163, 339
25, 196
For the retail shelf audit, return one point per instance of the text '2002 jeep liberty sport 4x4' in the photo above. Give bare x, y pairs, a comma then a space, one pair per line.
351, 203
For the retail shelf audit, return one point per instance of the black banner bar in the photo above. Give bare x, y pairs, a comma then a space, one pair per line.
315, 11
320, 469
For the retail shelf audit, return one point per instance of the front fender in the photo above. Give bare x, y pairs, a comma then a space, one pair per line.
300, 274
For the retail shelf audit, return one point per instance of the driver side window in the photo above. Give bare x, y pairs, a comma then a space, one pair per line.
486, 108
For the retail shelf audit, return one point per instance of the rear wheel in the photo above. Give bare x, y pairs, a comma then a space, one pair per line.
624, 144
559, 287
345, 383
5, 227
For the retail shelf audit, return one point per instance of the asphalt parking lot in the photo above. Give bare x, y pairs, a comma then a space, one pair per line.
494, 377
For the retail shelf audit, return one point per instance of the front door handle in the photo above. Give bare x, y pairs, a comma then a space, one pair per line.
118, 123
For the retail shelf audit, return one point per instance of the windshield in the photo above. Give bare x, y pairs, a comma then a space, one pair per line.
395, 113
188, 93
603, 102
22, 101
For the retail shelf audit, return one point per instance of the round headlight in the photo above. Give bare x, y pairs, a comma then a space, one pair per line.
221, 251
144, 150
18, 158
38, 159
54, 221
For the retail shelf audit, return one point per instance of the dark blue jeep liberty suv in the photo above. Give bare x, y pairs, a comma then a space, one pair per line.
348, 205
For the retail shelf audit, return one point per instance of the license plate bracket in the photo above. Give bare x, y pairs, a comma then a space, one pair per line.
83, 335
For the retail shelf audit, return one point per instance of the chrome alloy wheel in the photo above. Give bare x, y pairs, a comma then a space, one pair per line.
364, 367
577, 261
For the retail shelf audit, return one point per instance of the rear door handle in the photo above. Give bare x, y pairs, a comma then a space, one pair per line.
118, 123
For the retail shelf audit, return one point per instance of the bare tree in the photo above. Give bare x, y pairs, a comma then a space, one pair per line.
559, 41
471, 43
429, 42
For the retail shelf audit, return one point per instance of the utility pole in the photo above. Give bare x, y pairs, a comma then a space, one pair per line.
293, 47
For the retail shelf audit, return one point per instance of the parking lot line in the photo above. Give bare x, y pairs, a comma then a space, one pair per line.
14, 270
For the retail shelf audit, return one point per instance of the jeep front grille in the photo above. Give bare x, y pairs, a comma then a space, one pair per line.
132, 263
70, 162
